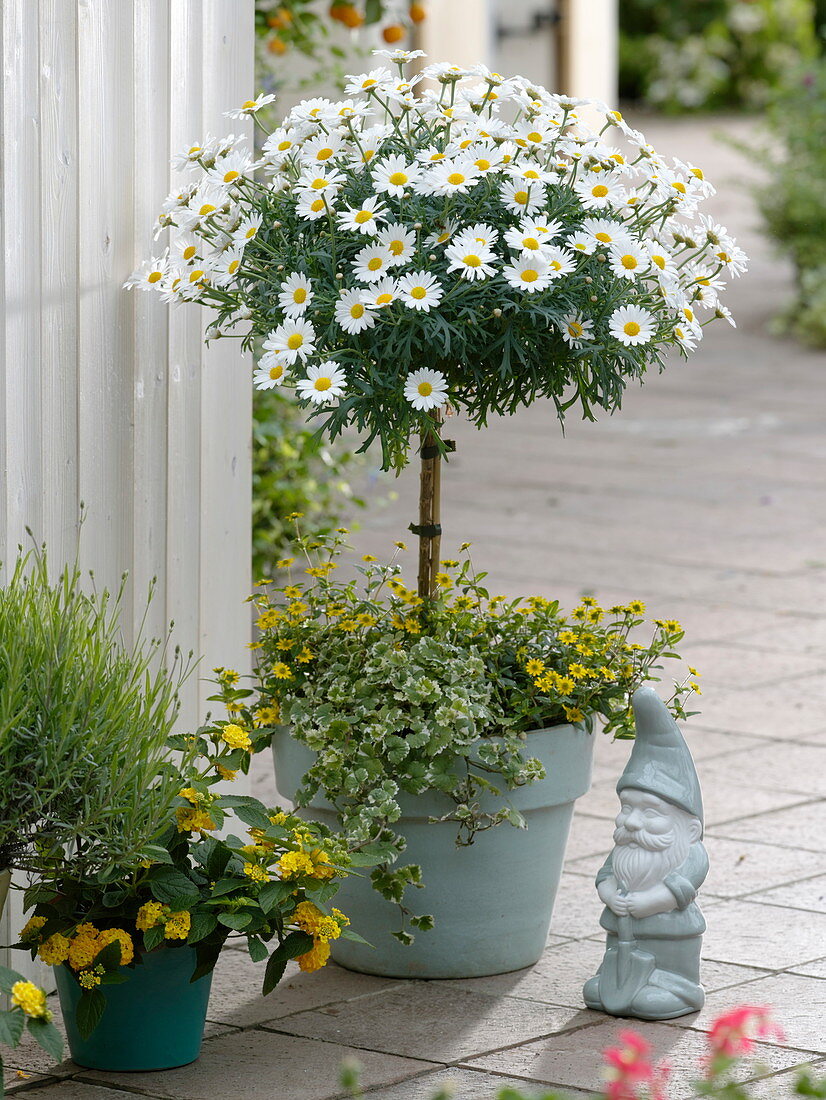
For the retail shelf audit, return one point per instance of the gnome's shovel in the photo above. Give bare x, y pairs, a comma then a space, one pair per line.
624, 972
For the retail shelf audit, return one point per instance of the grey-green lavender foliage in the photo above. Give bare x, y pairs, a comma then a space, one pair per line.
85, 767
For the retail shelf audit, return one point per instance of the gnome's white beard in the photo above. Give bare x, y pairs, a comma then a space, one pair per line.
641, 860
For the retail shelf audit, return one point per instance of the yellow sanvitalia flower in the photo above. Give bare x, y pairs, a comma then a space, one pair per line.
31, 999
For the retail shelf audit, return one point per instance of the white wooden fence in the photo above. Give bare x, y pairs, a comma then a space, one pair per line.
107, 397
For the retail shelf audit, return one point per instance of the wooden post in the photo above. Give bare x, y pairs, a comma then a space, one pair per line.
430, 508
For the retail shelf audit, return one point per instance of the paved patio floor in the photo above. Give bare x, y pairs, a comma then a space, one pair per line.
705, 497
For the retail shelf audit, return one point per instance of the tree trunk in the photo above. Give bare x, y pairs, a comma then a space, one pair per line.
429, 528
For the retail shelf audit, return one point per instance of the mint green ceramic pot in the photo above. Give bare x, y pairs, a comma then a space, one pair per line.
155, 1020
492, 901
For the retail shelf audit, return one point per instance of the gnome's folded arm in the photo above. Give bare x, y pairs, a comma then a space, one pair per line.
684, 882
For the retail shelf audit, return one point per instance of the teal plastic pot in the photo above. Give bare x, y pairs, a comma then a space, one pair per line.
492, 901
155, 1020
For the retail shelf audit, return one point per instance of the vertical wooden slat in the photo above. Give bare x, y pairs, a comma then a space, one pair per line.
23, 487
226, 386
150, 154
183, 501
59, 298
105, 251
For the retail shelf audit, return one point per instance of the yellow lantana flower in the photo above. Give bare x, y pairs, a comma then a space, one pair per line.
31, 999
236, 737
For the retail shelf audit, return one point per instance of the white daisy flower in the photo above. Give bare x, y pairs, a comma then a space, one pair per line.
320, 149
394, 175
687, 337
293, 340
230, 170
431, 155
369, 143
383, 293
521, 197
400, 57
530, 272
443, 233
372, 262
247, 229
627, 260
723, 313
426, 389
485, 157
581, 242
599, 193
480, 233
560, 261
324, 383
531, 173
313, 205
527, 237
455, 177
352, 313
314, 179
149, 276
661, 260
533, 135
605, 231
632, 325
367, 82
364, 218
400, 240
250, 106
473, 261
733, 259
225, 266
420, 290
271, 372
576, 330
317, 109
295, 295
207, 202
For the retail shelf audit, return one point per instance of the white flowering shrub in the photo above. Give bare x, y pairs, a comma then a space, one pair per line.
445, 238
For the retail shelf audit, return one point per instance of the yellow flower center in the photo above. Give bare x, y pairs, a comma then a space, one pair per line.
698, 173
316, 205
530, 242
299, 295
154, 276
368, 154
724, 256
531, 174
324, 154
207, 208
248, 104
374, 264
194, 149
189, 252
368, 83
689, 314
322, 384
231, 175
357, 310
196, 275
425, 389
455, 178
384, 299
629, 262
529, 275
363, 216
599, 191
574, 328
472, 260
318, 183
631, 328
678, 186
659, 261
556, 265
276, 373
295, 341
233, 267
482, 164
534, 135
418, 292
283, 146
396, 247
606, 238
521, 197
398, 179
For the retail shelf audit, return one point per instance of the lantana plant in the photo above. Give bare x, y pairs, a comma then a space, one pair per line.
193, 887
439, 241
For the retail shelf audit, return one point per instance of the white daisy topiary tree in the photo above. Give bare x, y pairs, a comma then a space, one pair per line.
449, 239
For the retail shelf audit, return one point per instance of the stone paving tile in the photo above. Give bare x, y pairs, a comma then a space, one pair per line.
780, 1086
262, 1065
787, 711
575, 1059
741, 665
750, 934
577, 908
16, 1079
799, 826
436, 1021
816, 969
81, 1090
469, 1084
236, 998
721, 803
795, 768
708, 744
808, 894
589, 836
739, 867
798, 1003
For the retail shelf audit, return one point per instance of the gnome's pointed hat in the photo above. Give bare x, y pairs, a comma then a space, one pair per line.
660, 762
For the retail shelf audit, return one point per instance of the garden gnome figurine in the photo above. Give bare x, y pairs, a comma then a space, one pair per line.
651, 967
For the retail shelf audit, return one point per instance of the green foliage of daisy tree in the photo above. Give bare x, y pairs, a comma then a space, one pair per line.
445, 238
